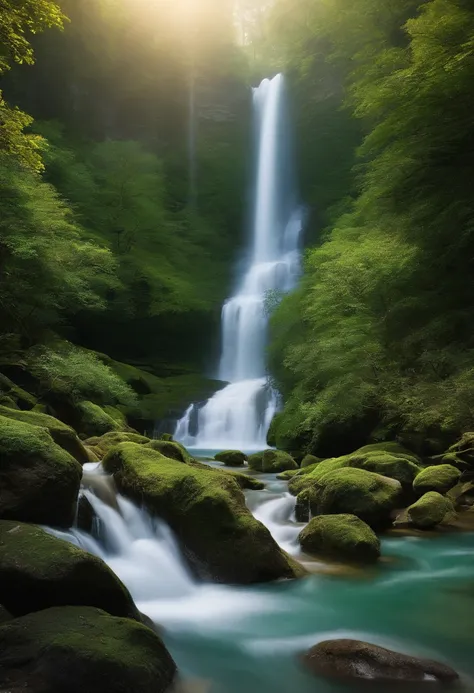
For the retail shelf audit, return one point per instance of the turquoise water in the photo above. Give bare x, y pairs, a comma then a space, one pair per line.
420, 600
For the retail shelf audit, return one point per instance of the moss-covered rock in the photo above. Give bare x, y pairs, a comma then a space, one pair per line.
167, 436
207, 511
463, 449
439, 478
345, 537
39, 481
289, 474
63, 435
399, 466
94, 421
391, 447
255, 461
244, 480
369, 496
118, 416
21, 398
102, 444
38, 571
170, 449
275, 461
231, 458
310, 460
429, 510
82, 650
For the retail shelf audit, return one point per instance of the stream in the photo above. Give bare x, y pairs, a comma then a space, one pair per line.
419, 599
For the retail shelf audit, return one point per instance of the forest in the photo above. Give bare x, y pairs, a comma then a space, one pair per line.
236, 361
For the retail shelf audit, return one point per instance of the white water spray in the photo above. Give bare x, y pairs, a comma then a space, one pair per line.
239, 415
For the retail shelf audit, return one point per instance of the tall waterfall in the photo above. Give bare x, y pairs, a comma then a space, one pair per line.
240, 414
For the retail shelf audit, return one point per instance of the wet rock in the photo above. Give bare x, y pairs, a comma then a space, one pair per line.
231, 458
343, 537
82, 650
207, 511
85, 515
353, 660
39, 481
38, 570
439, 478
429, 510
255, 461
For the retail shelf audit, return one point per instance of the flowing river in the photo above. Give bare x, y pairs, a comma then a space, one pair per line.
226, 639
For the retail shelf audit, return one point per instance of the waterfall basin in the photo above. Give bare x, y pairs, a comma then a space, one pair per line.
418, 599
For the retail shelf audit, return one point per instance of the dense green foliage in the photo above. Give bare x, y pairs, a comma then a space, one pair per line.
121, 202
376, 341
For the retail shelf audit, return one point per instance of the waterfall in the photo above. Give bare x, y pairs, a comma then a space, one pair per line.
239, 415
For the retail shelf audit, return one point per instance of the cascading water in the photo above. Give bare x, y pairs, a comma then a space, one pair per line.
241, 413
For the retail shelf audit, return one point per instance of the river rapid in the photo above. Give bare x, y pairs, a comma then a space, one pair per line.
419, 599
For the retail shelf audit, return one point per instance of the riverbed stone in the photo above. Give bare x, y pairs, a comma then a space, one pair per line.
429, 510
231, 458
82, 650
357, 661
63, 435
369, 496
39, 481
343, 537
440, 478
255, 461
38, 571
275, 461
206, 509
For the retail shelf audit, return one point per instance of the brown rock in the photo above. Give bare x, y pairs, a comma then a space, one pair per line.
360, 661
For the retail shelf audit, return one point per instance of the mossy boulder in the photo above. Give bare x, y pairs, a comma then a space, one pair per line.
344, 537
369, 496
289, 474
429, 510
82, 650
62, 434
463, 449
39, 481
94, 421
275, 461
439, 478
38, 571
255, 461
310, 460
391, 447
102, 444
231, 458
206, 509
171, 449
20, 398
402, 467
244, 480
118, 416
167, 436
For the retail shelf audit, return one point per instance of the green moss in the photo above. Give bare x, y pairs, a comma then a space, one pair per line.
94, 421
80, 649
167, 436
370, 458
255, 461
170, 449
369, 496
463, 449
310, 461
207, 511
275, 461
391, 447
39, 481
102, 444
340, 536
439, 478
20, 398
118, 416
63, 435
429, 510
231, 458
289, 474
38, 571
244, 480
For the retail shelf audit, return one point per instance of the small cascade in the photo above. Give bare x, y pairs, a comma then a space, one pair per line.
240, 414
